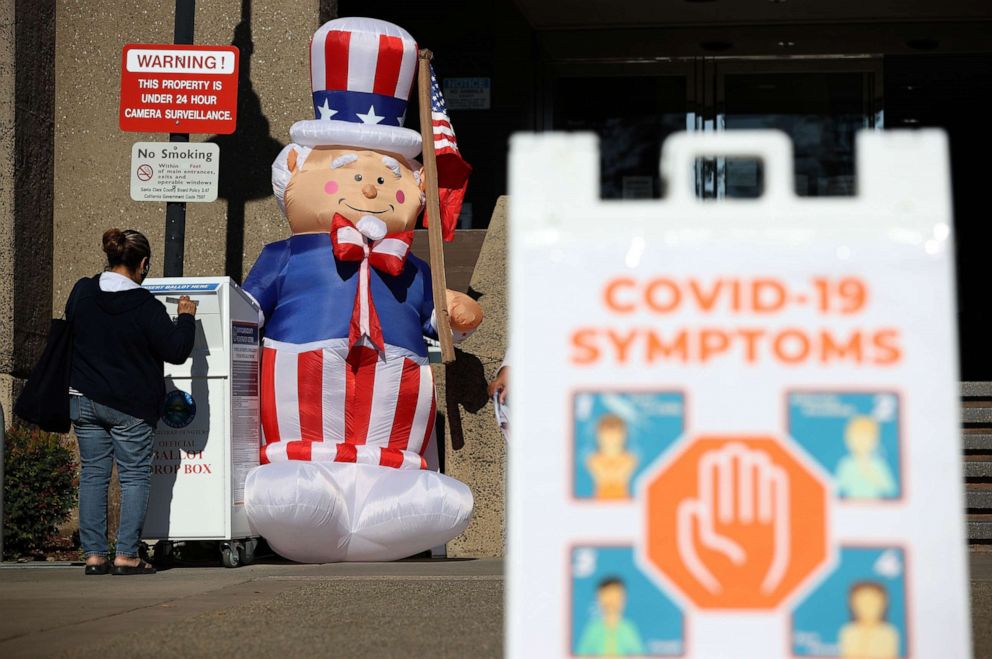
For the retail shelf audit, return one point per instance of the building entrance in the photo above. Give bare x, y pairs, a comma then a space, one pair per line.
819, 102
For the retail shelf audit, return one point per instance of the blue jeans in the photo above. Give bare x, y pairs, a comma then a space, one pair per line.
106, 435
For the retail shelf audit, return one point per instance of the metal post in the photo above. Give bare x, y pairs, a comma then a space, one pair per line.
175, 211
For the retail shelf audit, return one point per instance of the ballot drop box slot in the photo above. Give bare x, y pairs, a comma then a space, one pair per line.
208, 432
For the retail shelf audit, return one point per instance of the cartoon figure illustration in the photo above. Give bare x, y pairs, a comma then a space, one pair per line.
347, 394
858, 610
612, 465
617, 434
863, 473
611, 635
868, 635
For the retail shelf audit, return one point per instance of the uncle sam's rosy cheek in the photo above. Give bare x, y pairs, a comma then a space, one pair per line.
331, 187
400, 197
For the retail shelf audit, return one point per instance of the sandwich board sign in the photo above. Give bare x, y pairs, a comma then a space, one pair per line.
740, 435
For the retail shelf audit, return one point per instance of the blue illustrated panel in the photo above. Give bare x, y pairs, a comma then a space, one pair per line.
859, 610
617, 611
854, 436
617, 435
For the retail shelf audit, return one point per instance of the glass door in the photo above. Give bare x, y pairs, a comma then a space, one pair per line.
819, 102
632, 107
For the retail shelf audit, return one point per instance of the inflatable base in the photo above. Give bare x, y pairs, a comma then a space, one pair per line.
330, 512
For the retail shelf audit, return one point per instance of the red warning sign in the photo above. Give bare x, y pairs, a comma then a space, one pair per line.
179, 89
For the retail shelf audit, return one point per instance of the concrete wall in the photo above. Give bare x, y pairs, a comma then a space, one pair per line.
7, 132
92, 155
74, 184
26, 79
474, 451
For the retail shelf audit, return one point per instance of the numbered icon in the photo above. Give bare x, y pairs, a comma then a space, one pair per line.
617, 435
859, 610
855, 436
617, 611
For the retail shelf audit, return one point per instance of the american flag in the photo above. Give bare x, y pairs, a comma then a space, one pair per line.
452, 170
445, 141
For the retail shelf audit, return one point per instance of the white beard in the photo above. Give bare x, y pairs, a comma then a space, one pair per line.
371, 227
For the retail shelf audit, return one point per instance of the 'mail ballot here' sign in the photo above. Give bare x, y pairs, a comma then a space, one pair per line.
179, 89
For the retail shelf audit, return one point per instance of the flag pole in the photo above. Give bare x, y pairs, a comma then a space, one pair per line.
434, 209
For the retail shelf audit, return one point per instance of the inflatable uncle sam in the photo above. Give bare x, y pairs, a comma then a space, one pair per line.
347, 395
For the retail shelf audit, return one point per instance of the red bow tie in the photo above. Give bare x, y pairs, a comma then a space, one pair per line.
387, 255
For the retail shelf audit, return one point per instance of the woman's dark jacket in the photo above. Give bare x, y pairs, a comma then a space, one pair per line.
121, 341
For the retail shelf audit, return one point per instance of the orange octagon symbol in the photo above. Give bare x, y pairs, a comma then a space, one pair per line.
736, 522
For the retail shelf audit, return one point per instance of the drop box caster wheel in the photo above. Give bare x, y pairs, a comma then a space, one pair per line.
230, 554
247, 551
229, 557
162, 553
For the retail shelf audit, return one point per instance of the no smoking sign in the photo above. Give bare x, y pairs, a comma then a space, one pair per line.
174, 171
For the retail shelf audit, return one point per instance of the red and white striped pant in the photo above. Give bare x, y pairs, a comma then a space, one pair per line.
322, 402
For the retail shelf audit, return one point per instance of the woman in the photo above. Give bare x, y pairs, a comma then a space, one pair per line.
122, 336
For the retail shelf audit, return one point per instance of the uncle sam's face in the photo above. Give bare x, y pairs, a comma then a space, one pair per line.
353, 183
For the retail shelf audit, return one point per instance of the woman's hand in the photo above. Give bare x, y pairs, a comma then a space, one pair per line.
186, 306
500, 383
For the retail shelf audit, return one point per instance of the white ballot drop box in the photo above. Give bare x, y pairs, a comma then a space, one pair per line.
208, 432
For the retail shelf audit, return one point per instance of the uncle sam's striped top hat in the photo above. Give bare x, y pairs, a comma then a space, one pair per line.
361, 72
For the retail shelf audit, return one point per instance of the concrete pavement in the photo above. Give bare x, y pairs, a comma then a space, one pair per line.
450, 608
407, 609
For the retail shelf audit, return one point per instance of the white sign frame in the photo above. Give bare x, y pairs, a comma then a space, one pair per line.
565, 242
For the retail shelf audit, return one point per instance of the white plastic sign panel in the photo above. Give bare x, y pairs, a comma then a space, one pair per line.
736, 424
174, 171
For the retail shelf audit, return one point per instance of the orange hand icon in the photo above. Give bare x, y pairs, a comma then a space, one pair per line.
736, 521
736, 532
